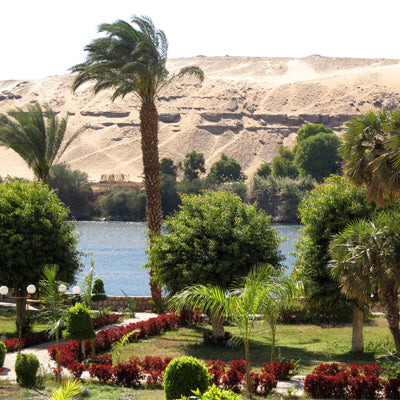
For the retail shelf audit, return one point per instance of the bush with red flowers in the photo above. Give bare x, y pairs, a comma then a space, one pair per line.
338, 381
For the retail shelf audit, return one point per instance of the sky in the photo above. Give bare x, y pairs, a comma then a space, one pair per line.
40, 38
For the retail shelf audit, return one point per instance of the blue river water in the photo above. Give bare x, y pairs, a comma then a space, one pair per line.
118, 249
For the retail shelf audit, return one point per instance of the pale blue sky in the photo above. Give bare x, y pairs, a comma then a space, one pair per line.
39, 38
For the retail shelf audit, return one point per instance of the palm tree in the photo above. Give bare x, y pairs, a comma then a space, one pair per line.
365, 260
53, 309
371, 150
258, 293
37, 136
133, 60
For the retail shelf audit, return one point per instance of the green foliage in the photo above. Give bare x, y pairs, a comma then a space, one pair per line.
390, 364
33, 233
78, 324
282, 165
87, 286
214, 393
227, 169
69, 389
318, 156
193, 164
37, 136
132, 304
98, 291
74, 190
280, 197
264, 170
167, 167
117, 346
326, 211
124, 205
309, 130
26, 367
213, 239
183, 375
170, 199
3, 351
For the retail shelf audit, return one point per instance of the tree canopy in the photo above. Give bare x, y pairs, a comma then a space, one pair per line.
213, 239
193, 164
326, 211
226, 169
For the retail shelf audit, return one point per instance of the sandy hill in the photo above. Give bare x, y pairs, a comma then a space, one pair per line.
245, 108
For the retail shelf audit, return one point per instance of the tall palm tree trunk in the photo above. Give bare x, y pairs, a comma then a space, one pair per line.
390, 297
357, 340
151, 172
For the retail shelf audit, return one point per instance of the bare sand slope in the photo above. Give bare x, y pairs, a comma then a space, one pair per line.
245, 108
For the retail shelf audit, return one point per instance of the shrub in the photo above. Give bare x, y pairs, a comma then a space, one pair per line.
184, 374
280, 370
98, 291
3, 351
392, 389
78, 324
214, 393
102, 372
128, 373
26, 367
263, 383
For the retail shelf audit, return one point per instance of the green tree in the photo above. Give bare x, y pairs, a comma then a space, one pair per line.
264, 170
227, 169
366, 259
318, 156
33, 233
169, 194
131, 59
37, 136
167, 167
124, 205
193, 164
74, 190
370, 149
324, 212
282, 164
213, 239
309, 130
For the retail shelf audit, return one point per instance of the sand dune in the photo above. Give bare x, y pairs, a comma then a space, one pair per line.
246, 107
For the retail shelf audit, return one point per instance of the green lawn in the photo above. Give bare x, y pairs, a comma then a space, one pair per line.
7, 322
312, 344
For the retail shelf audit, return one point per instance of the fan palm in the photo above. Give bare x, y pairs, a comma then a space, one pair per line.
365, 260
128, 60
37, 136
371, 150
258, 293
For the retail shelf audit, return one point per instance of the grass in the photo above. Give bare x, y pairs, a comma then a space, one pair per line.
311, 344
7, 322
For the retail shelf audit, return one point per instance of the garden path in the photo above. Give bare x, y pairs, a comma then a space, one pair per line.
40, 350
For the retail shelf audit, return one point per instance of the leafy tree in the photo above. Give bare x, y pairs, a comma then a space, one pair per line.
74, 190
309, 130
33, 233
124, 204
318, 156
37, 136
324, 212
212, 240
129, 60
371, 151
193, 164
167, 167
170, 199
366, 259
264, 170
280, 197
227, 169
282, 164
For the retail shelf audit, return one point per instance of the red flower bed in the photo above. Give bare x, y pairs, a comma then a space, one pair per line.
280, 370
338, 381
43, 336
